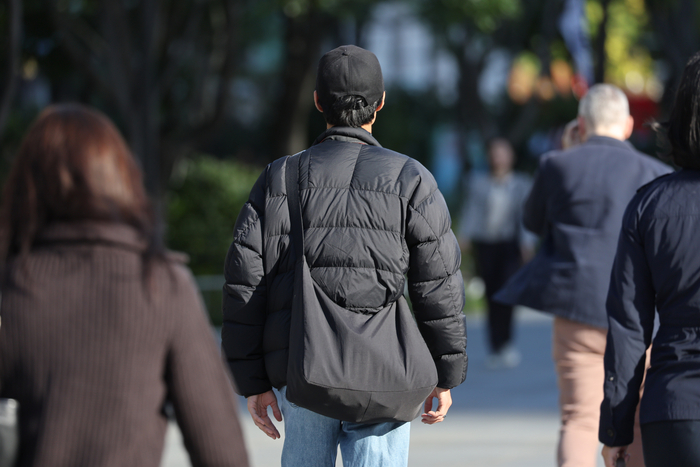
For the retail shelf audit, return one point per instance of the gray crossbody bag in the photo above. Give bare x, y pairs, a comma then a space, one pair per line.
345, 365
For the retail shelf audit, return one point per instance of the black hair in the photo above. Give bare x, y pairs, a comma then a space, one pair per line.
682, 130
352, 111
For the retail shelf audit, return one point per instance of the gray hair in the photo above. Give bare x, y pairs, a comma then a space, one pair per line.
603, 106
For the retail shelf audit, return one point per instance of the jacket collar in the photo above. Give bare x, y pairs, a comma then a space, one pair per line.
347, 134
608, 141
113, 233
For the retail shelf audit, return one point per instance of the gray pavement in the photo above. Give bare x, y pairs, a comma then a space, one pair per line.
503, 418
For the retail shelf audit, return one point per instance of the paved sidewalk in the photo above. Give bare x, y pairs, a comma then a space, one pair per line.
505, 418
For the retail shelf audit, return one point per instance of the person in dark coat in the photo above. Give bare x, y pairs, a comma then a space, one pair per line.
656, 270
371, 216
100, 325
576, 206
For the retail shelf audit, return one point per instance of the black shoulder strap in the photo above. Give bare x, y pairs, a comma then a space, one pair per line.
292, 184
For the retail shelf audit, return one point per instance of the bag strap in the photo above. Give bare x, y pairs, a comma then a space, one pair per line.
293, 202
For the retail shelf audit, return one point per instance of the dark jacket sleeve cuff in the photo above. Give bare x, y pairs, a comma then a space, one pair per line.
249, 377
452, 370
608, 433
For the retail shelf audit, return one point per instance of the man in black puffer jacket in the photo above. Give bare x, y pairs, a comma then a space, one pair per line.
371, 218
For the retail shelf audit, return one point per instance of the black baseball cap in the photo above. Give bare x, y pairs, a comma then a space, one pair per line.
349, 71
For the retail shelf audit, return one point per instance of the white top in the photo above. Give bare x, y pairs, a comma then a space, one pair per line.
493, 209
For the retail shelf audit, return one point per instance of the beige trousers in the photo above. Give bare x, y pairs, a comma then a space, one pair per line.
578, 351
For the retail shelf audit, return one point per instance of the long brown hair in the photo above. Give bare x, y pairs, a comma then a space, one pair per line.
72, 165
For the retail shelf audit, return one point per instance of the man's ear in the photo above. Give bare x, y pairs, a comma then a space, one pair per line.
629, 127
381, 104
581, 127
316, 103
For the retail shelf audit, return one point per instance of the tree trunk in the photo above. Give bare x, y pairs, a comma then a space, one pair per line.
600, 40
675, 24
146, 94
127, 55
14, 52
471, 112
291, 112
521, 127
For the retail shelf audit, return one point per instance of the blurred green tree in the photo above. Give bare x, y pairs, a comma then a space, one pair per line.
308, 25
162, 68
205, 196
470, 30
173, 74
465, 28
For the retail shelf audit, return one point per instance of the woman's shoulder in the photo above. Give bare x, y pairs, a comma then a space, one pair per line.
171, 279
173, 264
669, 195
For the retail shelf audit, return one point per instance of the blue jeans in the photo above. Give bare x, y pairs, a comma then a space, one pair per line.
312, 440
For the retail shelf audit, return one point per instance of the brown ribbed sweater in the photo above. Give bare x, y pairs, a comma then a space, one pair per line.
91, 353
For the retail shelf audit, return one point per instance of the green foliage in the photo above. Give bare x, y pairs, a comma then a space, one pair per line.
628, 21
401, 127
205, 197
594, 14
338, 8
486, 15
626, 32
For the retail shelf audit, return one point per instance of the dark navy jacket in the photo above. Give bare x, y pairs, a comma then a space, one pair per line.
576, 205
657, 266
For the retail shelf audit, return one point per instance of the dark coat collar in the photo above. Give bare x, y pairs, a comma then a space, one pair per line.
348, 134
117, 234
608, 141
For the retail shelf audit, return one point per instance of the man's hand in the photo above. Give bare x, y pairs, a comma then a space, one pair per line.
257, 406
444, 402
612, 454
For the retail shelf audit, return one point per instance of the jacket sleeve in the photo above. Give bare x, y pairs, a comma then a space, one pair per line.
244, 299
435, 281
198, 384
535, 208
631, 307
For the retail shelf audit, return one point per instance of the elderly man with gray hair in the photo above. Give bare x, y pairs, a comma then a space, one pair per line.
576, 206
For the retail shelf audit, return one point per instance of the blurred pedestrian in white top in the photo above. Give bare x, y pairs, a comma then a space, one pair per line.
491, 228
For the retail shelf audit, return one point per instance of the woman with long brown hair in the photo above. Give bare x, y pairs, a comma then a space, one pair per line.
100, 325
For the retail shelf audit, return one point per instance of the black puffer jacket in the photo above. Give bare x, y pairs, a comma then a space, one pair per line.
370, 216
